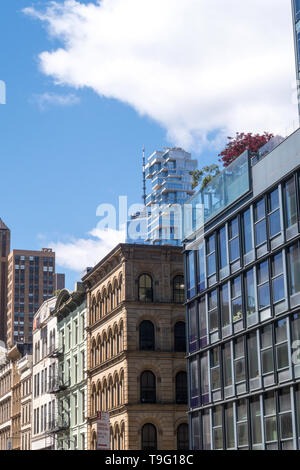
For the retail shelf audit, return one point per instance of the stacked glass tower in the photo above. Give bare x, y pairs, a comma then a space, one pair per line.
170, 175
242, 261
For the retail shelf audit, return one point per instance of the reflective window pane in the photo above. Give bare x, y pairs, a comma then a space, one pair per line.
261, 232
290, 203
274, 223
247, 230
294, 268
260, 210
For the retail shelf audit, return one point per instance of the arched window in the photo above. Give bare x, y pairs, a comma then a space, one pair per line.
181, 388
178, 289
183, 437
145, 288
179, 337
147, 336
149, 437
148, 387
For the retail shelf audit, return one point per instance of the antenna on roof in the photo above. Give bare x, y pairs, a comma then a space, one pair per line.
144, 177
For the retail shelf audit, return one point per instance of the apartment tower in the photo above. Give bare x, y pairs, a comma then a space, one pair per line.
30, 283
4, 252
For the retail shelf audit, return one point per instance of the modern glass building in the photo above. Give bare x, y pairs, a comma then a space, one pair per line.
160, 223
242, 262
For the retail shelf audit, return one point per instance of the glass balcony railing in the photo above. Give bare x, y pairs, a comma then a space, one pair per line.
223, 190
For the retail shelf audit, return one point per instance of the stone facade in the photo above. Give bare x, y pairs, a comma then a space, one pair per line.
25, 372
130, 289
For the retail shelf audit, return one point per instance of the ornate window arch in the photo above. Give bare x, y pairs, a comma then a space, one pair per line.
145, 284
148, 387
183, 437
149, 437
178, 289
147, 336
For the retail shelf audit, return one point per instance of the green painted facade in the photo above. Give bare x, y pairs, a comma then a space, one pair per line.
71, 314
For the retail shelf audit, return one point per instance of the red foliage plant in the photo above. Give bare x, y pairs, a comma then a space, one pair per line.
236, 146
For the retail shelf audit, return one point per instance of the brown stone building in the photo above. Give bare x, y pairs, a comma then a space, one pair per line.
14, 355
4, 252
136, 346
30, 283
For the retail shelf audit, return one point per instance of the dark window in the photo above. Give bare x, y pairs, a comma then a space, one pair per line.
183, 437
145, 288
149, 437
147, 336
148, 387
181, 388
179, 337
178, 289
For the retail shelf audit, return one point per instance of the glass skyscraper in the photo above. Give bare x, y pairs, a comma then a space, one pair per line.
160, 223
242, 266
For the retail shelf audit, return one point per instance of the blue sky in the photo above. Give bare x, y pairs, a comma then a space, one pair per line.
59, 161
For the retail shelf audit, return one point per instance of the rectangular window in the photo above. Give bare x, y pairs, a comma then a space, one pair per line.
204, 378
191, 286
203, 323
236, 299
253, 358
223, 248
194, 378
256, 422
267, 357
215, 372
201, 268
234, 240
196, 431
294, 269
242, 424
274, 213
217, 428
211, 257
239, 360
206, 430
270, 418
281, 346
260, 222
290, 203
193, 327
225, 311
247, 232
250, 293
264, 299
229, 427
227, 365
213, 311
285, 418
277, 278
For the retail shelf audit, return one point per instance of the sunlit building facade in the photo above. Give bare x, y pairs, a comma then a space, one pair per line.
242, 257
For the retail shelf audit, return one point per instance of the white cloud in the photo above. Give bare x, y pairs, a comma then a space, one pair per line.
47, 99
194, 66
77, 254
